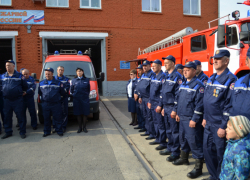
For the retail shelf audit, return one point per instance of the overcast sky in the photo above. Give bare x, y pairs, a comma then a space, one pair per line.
228, 6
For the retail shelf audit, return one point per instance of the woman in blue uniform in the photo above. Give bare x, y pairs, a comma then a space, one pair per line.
80, 89
130, 93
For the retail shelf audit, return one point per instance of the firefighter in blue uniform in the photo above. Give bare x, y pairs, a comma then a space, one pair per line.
51, 91
189, 108
170, 87
217, 99
1, 104
240, 103
179, 68
28, 98
144, 92
64, 100
13, 88
199, 73
156, 107
141, 121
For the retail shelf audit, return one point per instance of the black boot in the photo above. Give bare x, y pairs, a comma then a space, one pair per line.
84, 124
80, 122
197, 171
183, 160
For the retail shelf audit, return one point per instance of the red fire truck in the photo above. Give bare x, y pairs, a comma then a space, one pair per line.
189, 45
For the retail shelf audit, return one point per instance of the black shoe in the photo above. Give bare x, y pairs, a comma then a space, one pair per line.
23, 136
17, 125
54, 130
131, 123
197, 171
45, 135
142, 130
172, 158
60, 134
64, 130
158, 148
144, 134
150, 138
34, 128
6, 136
0, 132
165, 152
137, 127
85, 130
18, 128
207, 178
153, 143
79, 130
183, 160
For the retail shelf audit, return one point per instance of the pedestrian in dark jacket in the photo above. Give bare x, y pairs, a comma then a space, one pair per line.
80, 89
236, 159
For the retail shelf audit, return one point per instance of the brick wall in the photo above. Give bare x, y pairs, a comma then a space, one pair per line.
129, 28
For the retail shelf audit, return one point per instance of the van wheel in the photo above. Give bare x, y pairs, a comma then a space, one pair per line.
40, 115
96, 116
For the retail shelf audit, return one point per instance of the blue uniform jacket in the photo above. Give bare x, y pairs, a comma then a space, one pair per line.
80, 89
65, 82
1, 86
170, 86
138, 84
144, 88
190, 100
14, 86
217, 98
51, 92
31, 87
240, 100
203, 78
155, 88
236, 159
134, 84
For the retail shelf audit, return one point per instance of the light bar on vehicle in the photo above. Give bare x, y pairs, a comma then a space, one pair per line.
79, 53
56, 53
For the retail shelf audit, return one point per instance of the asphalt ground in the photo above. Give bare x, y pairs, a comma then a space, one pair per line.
102, 153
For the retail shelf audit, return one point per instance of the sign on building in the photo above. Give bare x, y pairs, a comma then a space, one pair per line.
21, 17
124, 65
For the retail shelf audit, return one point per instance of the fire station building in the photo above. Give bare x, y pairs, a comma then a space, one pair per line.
113, 29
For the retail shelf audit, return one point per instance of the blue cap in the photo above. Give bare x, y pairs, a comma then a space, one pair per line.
49, 69
10, 61
248, 52
139, 67
190, 65
21, 70
197, 62
179, 66
146, 62
157, 61
221, 53
170, 57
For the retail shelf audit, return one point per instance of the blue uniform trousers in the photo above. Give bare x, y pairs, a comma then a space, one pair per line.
140, 118
16, 106
30, 104
191, 138
54, 109
147, 114
214, 148
160, 130
172, 131
1, 111
65, 112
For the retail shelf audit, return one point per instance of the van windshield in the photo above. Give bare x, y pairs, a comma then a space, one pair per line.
70, 68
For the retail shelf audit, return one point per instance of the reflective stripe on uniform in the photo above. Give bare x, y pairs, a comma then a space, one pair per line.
197, 112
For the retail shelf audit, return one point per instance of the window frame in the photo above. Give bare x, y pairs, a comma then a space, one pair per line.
202, 35
58, 6
190, 5
231, 38
89, 7
5, 4
160, 10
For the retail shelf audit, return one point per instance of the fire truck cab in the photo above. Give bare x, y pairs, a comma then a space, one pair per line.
187, 45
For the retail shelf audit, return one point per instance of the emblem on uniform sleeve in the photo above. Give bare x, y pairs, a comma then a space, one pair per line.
202, 90
23, 77
217, 52
163, 80
232, 86
61, 84
179, 81
205, 82
138, 65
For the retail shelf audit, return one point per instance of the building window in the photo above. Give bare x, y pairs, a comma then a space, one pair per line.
57, 3
95, 4
192, 7
151, 5
198, 43
5, 2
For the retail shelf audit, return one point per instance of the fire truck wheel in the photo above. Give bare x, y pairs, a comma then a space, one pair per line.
96, 116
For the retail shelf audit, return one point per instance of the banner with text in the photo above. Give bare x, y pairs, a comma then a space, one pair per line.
21, 17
